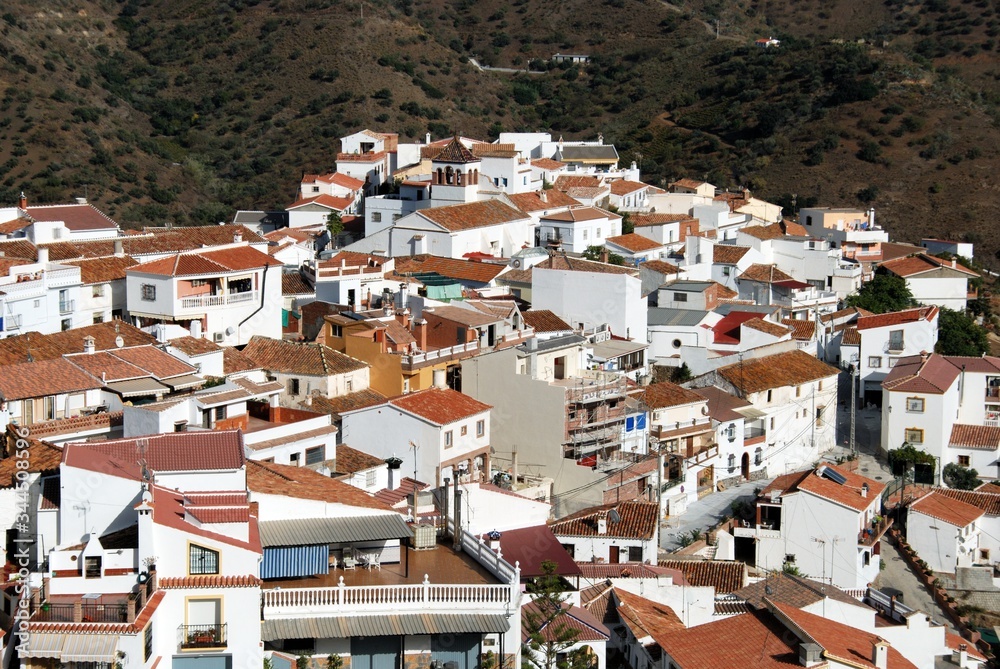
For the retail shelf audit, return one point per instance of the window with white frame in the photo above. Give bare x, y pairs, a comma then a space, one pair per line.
448, 439
370, 478
148, 292
874, 361
480, 428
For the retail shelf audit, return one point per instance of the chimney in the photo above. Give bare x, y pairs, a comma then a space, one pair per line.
89, 344
22, 203
43, 254
880, 654
427, 138
420, 333
393, 465
196, 329
440, 379
81, 200
237, 237
864, 490
953, 264
602, 524
119, 248
543, 196
961, 656
810, 654
604, 255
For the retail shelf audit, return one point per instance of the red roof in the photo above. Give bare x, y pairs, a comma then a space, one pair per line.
727, 331
210, 450
637, 520
169, 510
933, 374
338, 178
847, 494
554, 626
947, 509
923, 263
440, 406
485, 213
644, 617
184, 582
898, 318
324, 200
624, 187
634, 243
530, 546
304, 483
755, 639
222, 261
44, 378
77, 217
982, 437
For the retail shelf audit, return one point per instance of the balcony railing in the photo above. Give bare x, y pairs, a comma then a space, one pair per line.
753, 432
203, 301
440, 355
86, 613
870, 535
993, 393
191, 637
67, 306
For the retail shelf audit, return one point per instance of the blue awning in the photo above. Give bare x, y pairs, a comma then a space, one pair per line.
295, 561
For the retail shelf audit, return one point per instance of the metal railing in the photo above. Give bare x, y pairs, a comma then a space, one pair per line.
67, 306
88, 613
202, 301
202, 636
870, 535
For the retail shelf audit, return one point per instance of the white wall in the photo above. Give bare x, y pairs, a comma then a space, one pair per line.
942, 545
592, 298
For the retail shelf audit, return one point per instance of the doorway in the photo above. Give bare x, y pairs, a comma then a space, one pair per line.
613, 555
745, 466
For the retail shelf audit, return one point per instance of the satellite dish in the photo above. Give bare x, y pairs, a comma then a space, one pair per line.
119, 342
614, 517
230, 331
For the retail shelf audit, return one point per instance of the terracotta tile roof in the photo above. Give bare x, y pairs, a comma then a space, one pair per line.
338, 178
795, 591
194, 346
209, 450
183, 582
160, 364
583, 193
19, 248
292, 283
638, 520
327, 432
898, 318
987, 364
547, 164
844, 644
847, 313
947, 509
688, 183
43, 378
802, 330
580, 214
724, 254
485, 213
220, 515
234, 362
791, 368
554, 626
989, 487
455, 152
767, 327
533, 201
406, 487
847, 494
754, 639
633, 242
722, 575
268, 478
487, 150
922, 263
981, 437
764, 274
933, 374
7, 264
776, 230
43, 458
661, 267
851, 337
953, 641
169, 510
721, 405
8, 227
987, 501
440, 406
565, 182
666, 394
397, 333
643, 617
351, 460
47, 347
103, 270
531, 546
466, 317
461, 270
99, 422
223, 261
161, 241
602, 571
624, 187
561, 262
276, 355
543, 320
647, 220
324, 200
372, 157
598, 600
344, 403
77, 217
107, 367
727, 330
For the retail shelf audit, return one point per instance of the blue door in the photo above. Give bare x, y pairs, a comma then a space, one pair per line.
375, 652
460, 649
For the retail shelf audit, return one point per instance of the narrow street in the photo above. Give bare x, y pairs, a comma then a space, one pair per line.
706, 512
898, 579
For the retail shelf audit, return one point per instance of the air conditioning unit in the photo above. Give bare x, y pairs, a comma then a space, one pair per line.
218, 337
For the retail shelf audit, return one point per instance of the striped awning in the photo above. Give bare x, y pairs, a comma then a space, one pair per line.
295, 561
138, 387
72, 647
185, 381
344, 627
348, 529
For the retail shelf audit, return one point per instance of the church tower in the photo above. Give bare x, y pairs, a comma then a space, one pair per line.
455, 175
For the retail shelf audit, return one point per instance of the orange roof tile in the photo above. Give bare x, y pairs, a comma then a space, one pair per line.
547, 164
725, 577
440, 406
181, 582
767, 327
42, 378
982, 437
802, 330
159, 363
457, 217
638, 520
233, 361
923, 263
461, 270
276, 355
666, 394
580, 214
764, 274
301, 482
47, 347
77, 217
542, 200
898, 318
344, 403
755, 639
979, 498
564, 182
634, 243
933, 374
42, 457
661, 267
646, 220
103, 270
725, 254
847, 494
324, 200
947, 509
624, 186
644, 617
688, 183
455, 152
543, 320
791, 368
350, 460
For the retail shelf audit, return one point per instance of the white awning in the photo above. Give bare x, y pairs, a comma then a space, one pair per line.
750, 412
72, 647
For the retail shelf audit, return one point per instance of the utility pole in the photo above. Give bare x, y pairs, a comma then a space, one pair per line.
812, 441
854, 398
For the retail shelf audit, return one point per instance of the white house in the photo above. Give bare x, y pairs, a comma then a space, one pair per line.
944, 283
825, 522
46, 390
944, 531
102, 294
68, 222
635, 249
613, 534
575, 229
229, 294
40, 296
629, 195
884, 339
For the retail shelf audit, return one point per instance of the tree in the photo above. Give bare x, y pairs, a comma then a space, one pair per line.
334, 224
681, 374
594, 253
544, 624
959, 477
958, 334
884, 293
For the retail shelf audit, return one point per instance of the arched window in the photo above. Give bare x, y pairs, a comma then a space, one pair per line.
449, 175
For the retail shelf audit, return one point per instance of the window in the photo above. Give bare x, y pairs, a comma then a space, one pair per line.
963, 460
896, 340
293, 386
914, 435
202, 560
220, 412
465, 430
569, 548
680, 297
370, 478
585, 234
67, 324
758, 456
147, 643
349, 385
315, 189
448, 439
336, 330
314, 456
293, 459
769, 395
148, 292
98, 317
819, 416
376, 217
597, 233
772, 424
480, 428
809, 220
92, 567
874, 361
891, 362
99, 290
798, 391
726, 270
914, 404
635, 553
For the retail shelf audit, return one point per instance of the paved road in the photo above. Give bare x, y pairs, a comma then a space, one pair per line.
511, 70
706, 512
897, 578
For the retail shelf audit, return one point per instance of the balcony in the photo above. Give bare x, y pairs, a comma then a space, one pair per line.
759, 532
200, 637
456, 352
204, 301
114, 612
13, 321
993, 394
67, 306
870, 536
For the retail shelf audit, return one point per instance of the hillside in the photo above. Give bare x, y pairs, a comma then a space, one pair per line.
183, 111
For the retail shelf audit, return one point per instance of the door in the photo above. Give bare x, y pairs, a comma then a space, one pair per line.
455, 651
613, 555
745, 466
375, 652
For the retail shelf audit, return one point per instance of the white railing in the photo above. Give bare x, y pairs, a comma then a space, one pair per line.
756, 532
351, 600
67, 306
438, 354
218, 300
62, 277
491, 560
